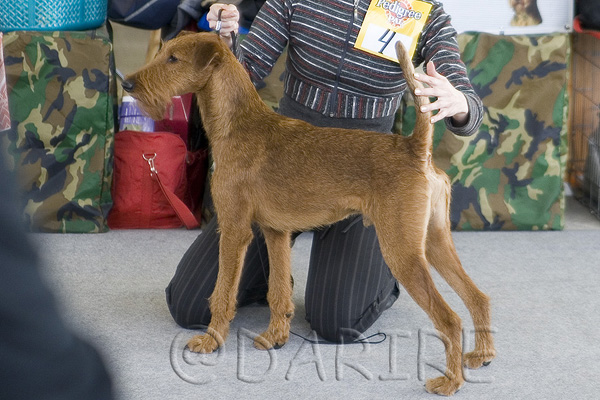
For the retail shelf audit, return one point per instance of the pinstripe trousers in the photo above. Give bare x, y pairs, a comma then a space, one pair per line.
348, 285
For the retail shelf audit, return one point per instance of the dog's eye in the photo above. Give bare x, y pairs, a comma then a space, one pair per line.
172, 59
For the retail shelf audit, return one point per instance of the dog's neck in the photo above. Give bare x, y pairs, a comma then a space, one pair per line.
228, 93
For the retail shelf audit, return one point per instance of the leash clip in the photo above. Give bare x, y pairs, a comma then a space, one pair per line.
150, 158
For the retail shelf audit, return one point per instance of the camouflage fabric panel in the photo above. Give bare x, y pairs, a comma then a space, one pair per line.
61, 97
509, 175
271, 88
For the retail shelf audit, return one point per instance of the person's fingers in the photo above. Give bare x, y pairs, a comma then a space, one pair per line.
229, 17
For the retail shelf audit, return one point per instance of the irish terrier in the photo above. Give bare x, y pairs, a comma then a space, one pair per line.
286, 175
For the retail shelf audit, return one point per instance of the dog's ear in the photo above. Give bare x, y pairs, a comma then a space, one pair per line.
185, 33
208, 54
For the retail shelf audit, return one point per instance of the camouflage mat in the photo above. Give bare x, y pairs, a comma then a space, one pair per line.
61, 88
509, 175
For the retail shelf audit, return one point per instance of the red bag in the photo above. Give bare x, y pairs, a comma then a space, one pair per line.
176, 116
157, 182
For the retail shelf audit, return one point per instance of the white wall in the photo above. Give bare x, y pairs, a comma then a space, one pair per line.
494, 16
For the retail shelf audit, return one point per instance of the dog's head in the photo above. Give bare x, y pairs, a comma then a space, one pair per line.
523, 5
183, 65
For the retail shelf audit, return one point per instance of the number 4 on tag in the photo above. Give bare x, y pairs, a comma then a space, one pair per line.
381, 41
386, 38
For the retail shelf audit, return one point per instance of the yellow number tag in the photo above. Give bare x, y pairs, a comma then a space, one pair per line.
390, 21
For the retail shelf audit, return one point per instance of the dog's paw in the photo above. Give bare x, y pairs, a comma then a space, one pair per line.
269, 340
478, 358
443, 385
203, 344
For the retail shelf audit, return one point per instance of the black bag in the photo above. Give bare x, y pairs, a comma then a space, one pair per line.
588, 12
248, 10
591, 176
144, 14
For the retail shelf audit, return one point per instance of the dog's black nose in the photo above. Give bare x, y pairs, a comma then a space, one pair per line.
128, 86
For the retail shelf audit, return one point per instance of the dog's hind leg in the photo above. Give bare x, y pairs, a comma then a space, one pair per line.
441, 253
280, 290
233, 244
402, 241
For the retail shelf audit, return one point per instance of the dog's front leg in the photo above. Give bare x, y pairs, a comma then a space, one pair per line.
232, 251
280, 291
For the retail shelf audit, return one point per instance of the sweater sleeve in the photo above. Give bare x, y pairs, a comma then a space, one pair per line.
438, 44
266, 40
475, 117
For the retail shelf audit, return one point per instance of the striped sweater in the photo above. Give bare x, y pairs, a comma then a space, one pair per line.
326, 73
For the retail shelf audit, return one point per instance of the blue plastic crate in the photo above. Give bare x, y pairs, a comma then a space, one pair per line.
52, 15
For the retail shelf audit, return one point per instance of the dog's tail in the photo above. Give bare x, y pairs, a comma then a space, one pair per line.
421, 140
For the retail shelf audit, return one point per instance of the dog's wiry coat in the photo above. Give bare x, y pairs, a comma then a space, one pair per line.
286, 175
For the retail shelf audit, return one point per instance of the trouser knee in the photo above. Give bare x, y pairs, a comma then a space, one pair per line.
188, 316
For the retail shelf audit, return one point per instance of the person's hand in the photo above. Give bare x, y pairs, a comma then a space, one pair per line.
229, 19
449, 102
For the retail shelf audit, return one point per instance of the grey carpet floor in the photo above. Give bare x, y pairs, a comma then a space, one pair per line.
544, 287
